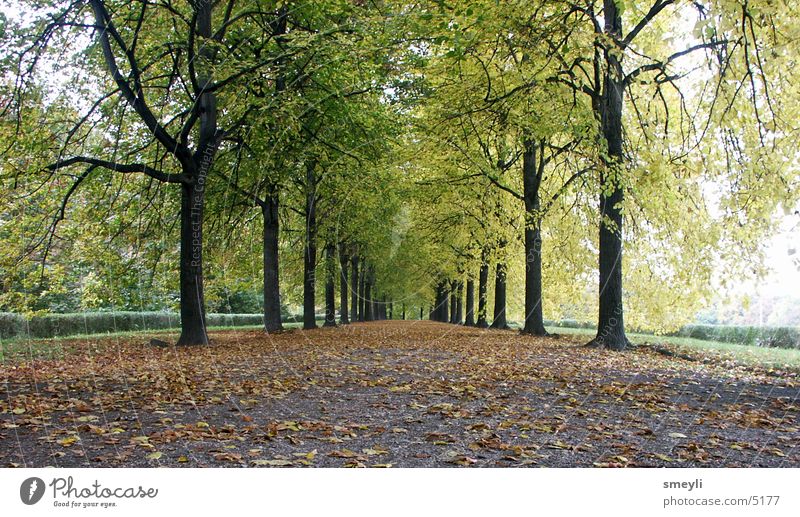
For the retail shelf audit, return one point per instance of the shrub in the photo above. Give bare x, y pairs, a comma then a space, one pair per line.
783, 337
59, 325
11, 325
233, 320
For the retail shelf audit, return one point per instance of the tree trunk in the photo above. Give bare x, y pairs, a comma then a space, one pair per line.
460, 303
470, 321
445, 302
361, 293
354, 288
499, 320
193, 314
344, 287
610, 325
272, 297
531, 179
437, 312
310, 251
369, 306
483, 293
193, 307
330, 287
453, 302
437, 303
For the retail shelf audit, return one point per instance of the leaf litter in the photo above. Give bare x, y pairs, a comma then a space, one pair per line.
392, 394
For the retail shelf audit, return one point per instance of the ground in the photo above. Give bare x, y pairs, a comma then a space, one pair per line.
391, 393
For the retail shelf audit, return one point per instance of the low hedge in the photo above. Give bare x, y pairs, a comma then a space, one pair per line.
233, 320
781, 337
56, 325
570, 324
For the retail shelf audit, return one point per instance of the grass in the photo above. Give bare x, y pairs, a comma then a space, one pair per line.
742, 354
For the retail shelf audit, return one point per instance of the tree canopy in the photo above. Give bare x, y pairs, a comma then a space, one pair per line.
480, 162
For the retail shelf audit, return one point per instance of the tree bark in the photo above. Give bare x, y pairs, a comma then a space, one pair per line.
470, 321
499, 320
193, 314
531, 180
369, 306
460, 303
344, 287
310, 251
453, 302
445, 302
441, 302
193, 309
354, 288
330, 287
483, 292
436, 310
362, 279
610, 325
272, 298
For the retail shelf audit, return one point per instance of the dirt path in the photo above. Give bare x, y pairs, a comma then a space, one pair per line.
391, 393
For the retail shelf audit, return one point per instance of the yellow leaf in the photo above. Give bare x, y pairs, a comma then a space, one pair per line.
374, 452
344, 453
307, 455
154, 456
69, 440
401, 389
18, 410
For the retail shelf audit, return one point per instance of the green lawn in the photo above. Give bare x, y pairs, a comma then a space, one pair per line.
743, 354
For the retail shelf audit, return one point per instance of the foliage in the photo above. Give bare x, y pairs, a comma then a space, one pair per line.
82, 323
414, 116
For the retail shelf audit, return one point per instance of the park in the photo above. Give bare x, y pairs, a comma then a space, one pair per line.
343, 233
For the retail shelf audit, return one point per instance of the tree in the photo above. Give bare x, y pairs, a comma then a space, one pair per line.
168, 94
